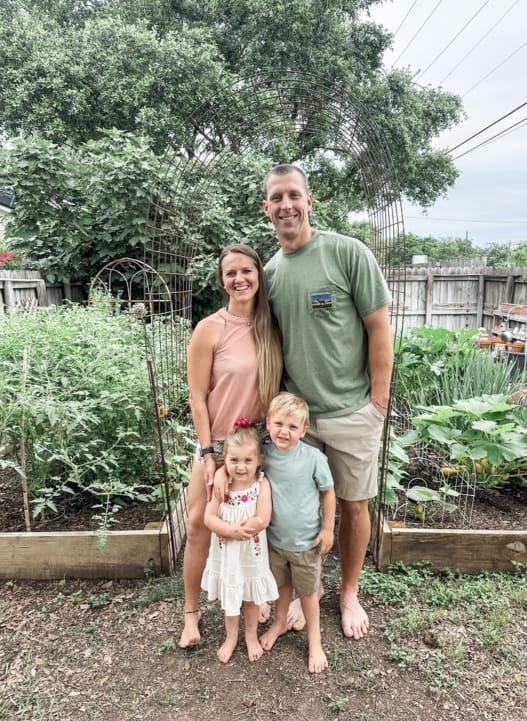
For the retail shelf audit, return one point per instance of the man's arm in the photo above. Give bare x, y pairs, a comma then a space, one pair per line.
380, 356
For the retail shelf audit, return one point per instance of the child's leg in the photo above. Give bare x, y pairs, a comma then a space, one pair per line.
250, 619
224, 652
317, 658
279, 625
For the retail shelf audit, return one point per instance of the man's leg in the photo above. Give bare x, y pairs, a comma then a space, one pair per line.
354, 536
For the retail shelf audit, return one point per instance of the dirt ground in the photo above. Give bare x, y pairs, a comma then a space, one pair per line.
75, 650
102, 650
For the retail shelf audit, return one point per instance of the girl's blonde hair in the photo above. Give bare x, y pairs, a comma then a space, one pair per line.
266, 333
240, 435
289, 405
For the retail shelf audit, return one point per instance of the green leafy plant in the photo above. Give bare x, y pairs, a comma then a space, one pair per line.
85, 408
485, 434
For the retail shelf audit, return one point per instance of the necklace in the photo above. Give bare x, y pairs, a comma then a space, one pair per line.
247, 318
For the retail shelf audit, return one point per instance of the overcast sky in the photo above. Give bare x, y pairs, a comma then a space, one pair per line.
489, 199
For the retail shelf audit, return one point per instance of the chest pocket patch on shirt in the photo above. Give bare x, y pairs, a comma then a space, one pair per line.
321, 301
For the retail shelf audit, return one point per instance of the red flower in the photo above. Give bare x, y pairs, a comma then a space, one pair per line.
256, 539
226, 497
5, 257
245, 498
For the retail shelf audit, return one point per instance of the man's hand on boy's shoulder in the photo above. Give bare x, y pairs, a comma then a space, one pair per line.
324, 541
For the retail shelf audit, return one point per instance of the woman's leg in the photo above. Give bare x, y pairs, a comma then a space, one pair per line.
195, 556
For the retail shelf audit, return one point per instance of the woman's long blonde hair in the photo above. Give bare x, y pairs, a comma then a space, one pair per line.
266, 332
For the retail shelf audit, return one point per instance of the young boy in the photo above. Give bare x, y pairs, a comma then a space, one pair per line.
299, 533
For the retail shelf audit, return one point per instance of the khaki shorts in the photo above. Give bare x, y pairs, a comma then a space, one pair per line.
301, 569
351, 444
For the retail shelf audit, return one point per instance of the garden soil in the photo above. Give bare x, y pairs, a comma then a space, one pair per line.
75, 650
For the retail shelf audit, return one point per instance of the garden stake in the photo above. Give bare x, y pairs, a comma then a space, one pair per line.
166, 488
25, 366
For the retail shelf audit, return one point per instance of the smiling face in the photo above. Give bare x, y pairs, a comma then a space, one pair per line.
242, 461
286, 429
239, 278
287, 205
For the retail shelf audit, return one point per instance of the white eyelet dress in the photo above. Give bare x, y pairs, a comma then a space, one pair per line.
238, 571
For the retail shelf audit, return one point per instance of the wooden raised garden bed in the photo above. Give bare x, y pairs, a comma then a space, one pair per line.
76, 554
466, 551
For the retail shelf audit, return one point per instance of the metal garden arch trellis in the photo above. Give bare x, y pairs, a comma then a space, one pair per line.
282, 116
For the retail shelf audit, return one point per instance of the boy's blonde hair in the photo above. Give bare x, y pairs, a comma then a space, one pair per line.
289, 405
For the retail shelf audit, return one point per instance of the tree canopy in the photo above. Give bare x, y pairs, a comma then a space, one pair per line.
85, 81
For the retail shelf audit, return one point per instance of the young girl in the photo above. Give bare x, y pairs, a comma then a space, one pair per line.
237, 570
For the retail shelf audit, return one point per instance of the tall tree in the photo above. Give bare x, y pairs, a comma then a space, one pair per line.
72, 68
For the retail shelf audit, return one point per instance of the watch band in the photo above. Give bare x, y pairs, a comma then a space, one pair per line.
205, 451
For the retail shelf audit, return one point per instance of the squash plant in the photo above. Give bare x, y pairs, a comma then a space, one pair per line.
485, 436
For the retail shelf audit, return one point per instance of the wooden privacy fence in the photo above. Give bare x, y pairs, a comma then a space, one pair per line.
457, 297
444, 297
27, 287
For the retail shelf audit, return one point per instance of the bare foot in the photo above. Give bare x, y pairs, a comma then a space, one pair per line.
317, 661
295, 616
264, 612
190, 635
254, 649
226, 649
269, 638
353, 617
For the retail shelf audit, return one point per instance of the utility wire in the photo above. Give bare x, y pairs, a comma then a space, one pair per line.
417, 33
494, 69
443, 51
404, 19
506, 131
475, 135
478, 43
466, 220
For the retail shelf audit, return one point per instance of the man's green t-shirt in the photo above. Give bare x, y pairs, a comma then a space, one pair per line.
319, 294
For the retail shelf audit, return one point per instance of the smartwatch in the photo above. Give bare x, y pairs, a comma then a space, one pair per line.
205, 451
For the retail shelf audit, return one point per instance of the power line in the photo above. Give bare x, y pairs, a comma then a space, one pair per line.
404, 19
475, 135
478, 42
506, 131
443, 51
494, 69
466, 220
417, 32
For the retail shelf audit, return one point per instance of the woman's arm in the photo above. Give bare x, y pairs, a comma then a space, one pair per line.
200, 356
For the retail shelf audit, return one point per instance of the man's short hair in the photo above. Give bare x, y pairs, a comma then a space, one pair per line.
284, 169
289, 405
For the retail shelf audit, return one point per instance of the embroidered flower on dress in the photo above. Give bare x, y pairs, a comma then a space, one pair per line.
245, 498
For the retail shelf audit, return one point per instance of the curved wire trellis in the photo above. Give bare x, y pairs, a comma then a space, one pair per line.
284, 116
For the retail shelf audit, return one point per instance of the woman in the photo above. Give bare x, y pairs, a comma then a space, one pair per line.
234, 365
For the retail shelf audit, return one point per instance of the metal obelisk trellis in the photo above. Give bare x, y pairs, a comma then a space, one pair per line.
275, 115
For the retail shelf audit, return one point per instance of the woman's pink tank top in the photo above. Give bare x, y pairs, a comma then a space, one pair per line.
234, 377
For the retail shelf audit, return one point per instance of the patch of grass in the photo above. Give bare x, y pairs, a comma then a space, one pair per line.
160, 589
442, 622
337, 705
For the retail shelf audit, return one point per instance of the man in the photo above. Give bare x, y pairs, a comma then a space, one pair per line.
331, 302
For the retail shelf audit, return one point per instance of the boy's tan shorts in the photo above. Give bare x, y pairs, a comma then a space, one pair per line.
351, 444
301, 569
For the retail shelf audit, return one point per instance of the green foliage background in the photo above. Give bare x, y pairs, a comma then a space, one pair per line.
94, 91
